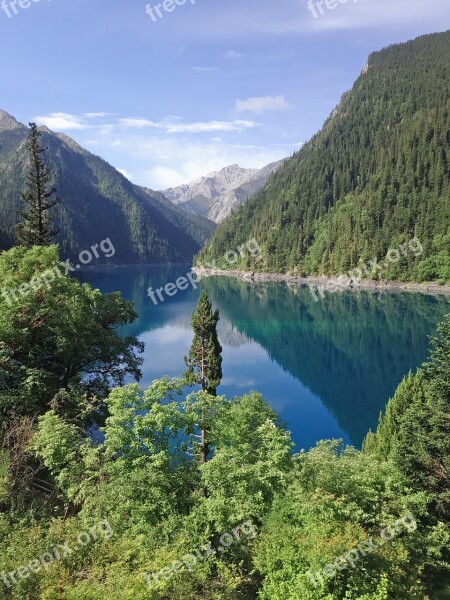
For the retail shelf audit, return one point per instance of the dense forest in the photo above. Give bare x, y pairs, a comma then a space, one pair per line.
107, 492
98, 203
376, 176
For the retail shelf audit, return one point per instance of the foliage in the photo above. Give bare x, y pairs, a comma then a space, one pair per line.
415, 429
375, 176
35, 229
132, 486
338, 499
204, 365
58, 342
152, 492
414, 433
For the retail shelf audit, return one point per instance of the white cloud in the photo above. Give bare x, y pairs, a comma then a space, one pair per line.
178, 161
175, 125
261, 104
165, 177
125, 173
231, 54
106, 129
169, 152
208, 126
95, 115
139, 123
60, 121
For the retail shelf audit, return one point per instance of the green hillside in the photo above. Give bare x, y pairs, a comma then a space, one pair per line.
375, 176
97, 202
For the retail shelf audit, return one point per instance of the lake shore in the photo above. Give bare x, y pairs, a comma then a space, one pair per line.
330, 284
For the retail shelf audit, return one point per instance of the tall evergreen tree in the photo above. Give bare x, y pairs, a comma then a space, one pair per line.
204, 364
35, 229
415, 429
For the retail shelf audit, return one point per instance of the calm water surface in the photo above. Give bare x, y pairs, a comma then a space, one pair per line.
328, 367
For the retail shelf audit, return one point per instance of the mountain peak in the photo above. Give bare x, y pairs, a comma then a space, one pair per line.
8, 122
44, 128
70, 142
216, 194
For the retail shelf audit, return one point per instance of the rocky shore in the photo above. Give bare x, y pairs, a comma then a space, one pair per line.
330, 284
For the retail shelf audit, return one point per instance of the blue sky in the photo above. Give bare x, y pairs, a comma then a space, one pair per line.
211, 83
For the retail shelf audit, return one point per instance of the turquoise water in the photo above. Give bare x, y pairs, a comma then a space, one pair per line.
328, 367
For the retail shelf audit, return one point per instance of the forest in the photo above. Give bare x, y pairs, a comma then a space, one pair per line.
376, 176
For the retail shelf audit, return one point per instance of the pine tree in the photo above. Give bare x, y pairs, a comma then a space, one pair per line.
35, 229
415, 429
204, 364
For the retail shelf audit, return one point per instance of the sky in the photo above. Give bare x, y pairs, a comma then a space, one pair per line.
166, 98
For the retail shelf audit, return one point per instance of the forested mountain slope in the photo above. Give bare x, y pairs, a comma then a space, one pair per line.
97, 202
375, 176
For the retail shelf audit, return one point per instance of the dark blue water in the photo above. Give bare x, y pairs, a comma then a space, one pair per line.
328, 367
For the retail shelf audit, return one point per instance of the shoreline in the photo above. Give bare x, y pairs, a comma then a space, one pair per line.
330, 284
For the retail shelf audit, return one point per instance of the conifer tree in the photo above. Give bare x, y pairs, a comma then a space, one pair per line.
204, 364
35, 228
415, 429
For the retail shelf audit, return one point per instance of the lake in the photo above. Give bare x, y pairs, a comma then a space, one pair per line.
327, 368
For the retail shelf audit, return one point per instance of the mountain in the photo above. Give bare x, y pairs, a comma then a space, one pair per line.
97, 202
374, 177
216, 195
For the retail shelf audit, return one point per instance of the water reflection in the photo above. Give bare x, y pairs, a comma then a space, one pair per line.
327, 367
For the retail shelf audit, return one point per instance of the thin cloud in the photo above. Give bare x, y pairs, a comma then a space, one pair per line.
96, 115
232, 55
125, 173
209, 126
240, 22
176, 162
138, 123
165, 153
315, 17
174, 126
262, 104
61, 121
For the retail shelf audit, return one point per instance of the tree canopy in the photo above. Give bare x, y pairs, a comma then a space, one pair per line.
58, 338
